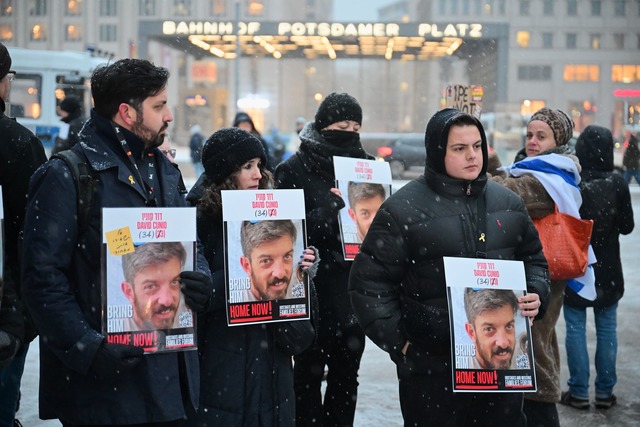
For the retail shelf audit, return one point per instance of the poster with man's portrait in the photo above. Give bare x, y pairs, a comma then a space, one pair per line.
364, 184
265, 240
491, 339
144, 252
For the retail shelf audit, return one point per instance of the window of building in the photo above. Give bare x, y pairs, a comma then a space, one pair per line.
547, 40
38, 33
182, 7
38, 7
108, 8
218, 7
596, 7
524, 7
6, 7
595, 41
73, 33
73, 8
572, 7
547, 7
534, 72
618, 7
625, 73
581, 73
6, 32
522, 38
530, 106
572, 40
465, 7
147, 7
477, 7
255, 7
502, 10
618, 41
453, 7
108, 33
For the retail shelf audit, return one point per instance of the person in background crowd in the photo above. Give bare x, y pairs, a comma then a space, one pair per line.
294, 138
397, 283
85, 380
607, 201
247, 377
548, 132
170, 153
70, 111
631, 160
195, 145
244, 121
20, 155
340, 341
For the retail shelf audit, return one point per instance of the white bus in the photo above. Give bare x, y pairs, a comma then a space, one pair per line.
43, 79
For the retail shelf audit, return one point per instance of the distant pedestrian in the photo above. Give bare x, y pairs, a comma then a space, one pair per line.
244, 121
631, 160
70, 112
196, 142
605, 200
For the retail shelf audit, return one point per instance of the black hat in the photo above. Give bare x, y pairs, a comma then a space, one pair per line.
337, 107
242, 117
5, 61
70, 104
228, 149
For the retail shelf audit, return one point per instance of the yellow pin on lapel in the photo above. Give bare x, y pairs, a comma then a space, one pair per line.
131, 180
481, 237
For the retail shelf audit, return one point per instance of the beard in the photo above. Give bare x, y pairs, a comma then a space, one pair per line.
146, 134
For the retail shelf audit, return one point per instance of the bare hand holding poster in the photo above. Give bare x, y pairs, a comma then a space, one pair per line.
491, 338
265, 238
144, 252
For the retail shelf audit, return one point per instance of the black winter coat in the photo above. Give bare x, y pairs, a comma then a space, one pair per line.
75, 122
316, 178
246, 371
20, 155
605, 200
62, 289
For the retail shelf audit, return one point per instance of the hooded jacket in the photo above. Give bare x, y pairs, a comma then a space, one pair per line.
607, 201
397, 283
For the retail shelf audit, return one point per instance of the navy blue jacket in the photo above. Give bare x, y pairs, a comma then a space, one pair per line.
62, 289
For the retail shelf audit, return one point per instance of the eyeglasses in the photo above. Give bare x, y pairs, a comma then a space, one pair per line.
11, 76
171, 152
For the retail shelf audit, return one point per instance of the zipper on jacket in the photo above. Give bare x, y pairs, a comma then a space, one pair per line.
468, 189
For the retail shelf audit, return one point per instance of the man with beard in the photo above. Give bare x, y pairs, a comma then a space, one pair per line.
85, 380
152, 285
267, 258
491, 326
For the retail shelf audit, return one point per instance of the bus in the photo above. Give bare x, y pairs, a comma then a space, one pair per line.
43, 79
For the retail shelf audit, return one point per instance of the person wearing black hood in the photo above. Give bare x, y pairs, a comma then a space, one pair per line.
70, 112
397, 283
605, 200
244, 121
340, 341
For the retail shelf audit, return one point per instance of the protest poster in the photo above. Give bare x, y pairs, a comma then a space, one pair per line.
491, 340
364, 185
143, 253
466, 98
265, 237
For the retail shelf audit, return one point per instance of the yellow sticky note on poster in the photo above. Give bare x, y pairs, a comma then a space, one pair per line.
119, 241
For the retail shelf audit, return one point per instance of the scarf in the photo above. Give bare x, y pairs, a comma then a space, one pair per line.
318, 154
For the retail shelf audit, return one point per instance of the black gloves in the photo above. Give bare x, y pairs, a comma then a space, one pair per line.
334, 202
197, 289
9, 345
115, 357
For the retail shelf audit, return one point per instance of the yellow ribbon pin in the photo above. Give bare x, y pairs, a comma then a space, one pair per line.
131, 180
481, 237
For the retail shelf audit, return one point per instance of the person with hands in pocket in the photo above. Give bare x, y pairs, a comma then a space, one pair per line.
397, 282
84, 380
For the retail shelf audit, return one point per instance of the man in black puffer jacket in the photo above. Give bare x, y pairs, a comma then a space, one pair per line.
397, 284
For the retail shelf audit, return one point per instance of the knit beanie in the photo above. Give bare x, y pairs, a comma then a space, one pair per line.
558, 121
228, 149
5, 61
337, 107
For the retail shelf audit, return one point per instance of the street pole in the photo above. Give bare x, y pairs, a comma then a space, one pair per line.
238, 54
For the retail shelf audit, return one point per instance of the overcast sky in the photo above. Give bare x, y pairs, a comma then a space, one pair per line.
357, 10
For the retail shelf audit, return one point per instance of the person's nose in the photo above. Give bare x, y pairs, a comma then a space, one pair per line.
279, 270
502, 340
165, 297
168, 116
256, 173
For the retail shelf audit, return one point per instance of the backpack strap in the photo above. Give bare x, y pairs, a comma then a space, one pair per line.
85, 185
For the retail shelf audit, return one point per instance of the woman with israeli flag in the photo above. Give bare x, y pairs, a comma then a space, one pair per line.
546, 174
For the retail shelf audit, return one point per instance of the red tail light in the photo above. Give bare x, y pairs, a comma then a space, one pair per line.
385, 151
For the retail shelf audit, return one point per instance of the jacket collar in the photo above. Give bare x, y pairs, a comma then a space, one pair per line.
449, 187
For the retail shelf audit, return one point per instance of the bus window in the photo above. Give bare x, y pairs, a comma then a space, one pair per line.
25, 96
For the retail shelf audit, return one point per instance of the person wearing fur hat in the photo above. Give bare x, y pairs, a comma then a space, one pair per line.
340, 342
21, 153
607, 201
397, 284
548, 133
246, 373
70, 112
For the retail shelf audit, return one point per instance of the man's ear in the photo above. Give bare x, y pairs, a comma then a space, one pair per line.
126, 115
470, 331
127, 290
352, 214
246, 264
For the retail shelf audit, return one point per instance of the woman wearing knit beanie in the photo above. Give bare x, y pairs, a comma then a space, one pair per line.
233, 159
548, 133
340, 342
